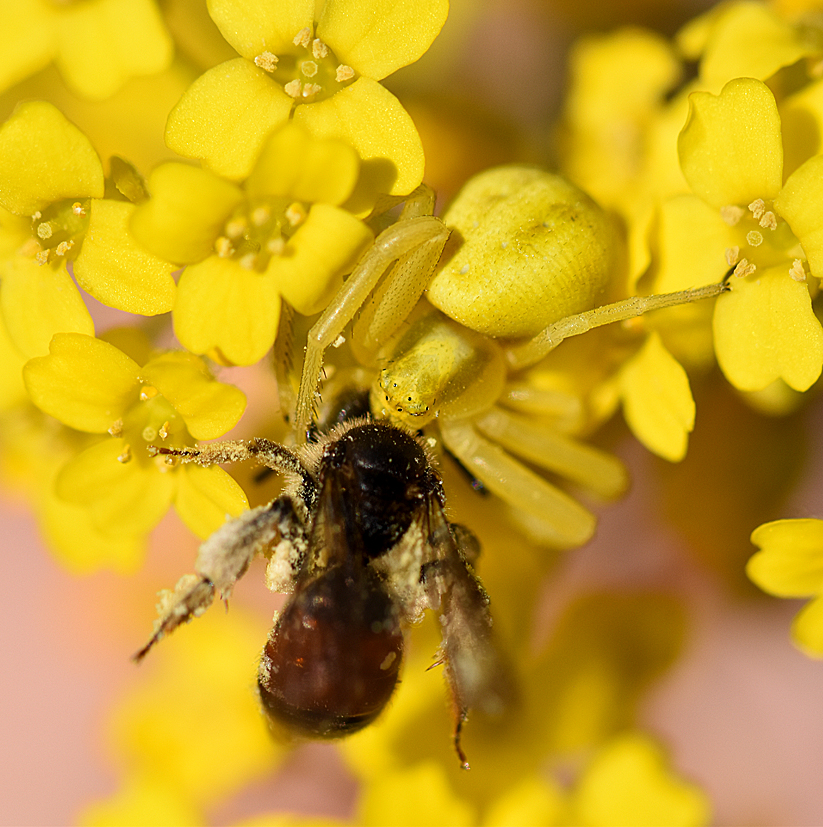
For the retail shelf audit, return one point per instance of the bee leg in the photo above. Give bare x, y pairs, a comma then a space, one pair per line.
222, 559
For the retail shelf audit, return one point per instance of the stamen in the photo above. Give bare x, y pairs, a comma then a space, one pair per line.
732, 256
293, 88
235, 228
295, 214
754, 238
267, 61
758, 207
311, 89
308, 68
42, 257
116, 428
148, 392
303, 38
319, 49
744, 269
164, 430
223, 247
126, 455
260, 215
63, 247
343, 73
768, 221
797, 272
77, 208
731, 214
276, 245
248, 261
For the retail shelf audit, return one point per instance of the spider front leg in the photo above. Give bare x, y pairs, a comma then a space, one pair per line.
413, 246
531, 352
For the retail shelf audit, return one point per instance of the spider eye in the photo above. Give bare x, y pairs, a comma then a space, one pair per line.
333, 657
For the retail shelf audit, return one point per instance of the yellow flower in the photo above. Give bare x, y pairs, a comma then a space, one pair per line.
319, 64
741, 218
98, 45
281, 234
790, 564
94, 387
51, 190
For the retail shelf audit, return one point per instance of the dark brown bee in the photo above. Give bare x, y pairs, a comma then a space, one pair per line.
361, 540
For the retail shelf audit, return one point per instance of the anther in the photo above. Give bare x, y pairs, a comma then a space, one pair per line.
732, 256
126, 455
311, 89
343, 73
758, 207
63, 247
223, 247
148, 392
42, 257
731, 214
744, 268
260, 215
295, 214
235, 228
276, 245
797, 272
77, 208
293, 88
248, 261
319, 49
267, 61
768, 221
164, 430
303, 38
116, 428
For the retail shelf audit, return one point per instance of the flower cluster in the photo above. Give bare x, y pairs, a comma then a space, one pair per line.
235, 165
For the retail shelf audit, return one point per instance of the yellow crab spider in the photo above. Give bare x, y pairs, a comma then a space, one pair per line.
516, 266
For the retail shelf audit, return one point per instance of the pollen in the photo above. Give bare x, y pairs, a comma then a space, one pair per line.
754, 238
303, 38
116, 428
260, 215
311, 89
295, 214
319, 49
42, 257
797, 271
276, 245
732, 214
267, 61
223, 247
293, 88
78, 209
768, 221
63, 247
248, 261
343, 73
236, 227
732, 256
125, 456
758, 208
163, 433
148, 392
744, 268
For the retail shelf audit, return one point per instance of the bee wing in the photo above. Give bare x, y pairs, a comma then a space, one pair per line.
478, 675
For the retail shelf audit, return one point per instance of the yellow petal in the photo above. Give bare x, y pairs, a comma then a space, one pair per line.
116, 270
84, 382
629, 782
372, 120
224, 116
27, 40
765, 329
693, 239
377, 37
296, 165
39, 301
186, 212
103, 44
81, 547
206, 498
12, 389
45, 158
802, 117
327, 245
254, 28
807, 628
221, 305
730, 148
210, 408
657, 400
801, 203
121, 497
790, 560
729, 52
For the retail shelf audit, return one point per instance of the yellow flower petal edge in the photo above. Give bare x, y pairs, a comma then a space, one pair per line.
27, 41
121, 497
324, 247
254, 28
185, 213
39, 301
116, 270
104, 44
730, 148
294, 164
800, 202
250, 104
657, 400
372, 120
209, 408
221, 305
790, 560
807, 628
377, 37
765, 329
206, 498
45, 158
84, 382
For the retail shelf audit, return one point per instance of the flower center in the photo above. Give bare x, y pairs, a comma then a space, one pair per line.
58, 231
311, 75
151, 420
259, 229
765, 239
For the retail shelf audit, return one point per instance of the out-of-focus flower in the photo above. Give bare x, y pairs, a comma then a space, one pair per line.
51, 191
319, 64
282, 233
97, 45
172, 399
790, 564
